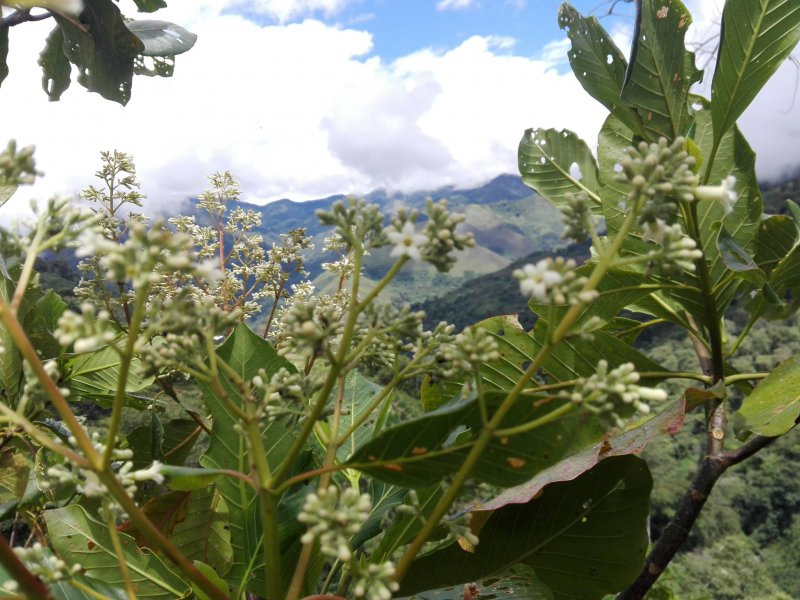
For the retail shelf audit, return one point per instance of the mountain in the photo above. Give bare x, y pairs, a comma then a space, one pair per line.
508, 220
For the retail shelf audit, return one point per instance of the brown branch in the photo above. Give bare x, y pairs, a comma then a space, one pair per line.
677, 531
22, 16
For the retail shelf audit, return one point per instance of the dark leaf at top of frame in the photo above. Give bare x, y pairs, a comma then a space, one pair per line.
103, 49
150, 5
597, 62
55, 65
3, 53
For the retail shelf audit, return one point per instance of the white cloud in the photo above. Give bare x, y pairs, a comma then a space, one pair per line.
454, 4
286, 10
304, 110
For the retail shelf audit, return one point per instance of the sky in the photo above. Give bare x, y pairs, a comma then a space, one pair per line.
303, 99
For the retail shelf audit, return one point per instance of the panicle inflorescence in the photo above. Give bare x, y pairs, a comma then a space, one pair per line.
608, 391
333, 518
42, 563
17, 167
577, 217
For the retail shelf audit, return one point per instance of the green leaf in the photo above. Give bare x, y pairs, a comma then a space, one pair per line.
15, 472
180, 436
3, 58
421, 451
583, 538
246, 353
146, 441
774, 405
6, 191
161, 38
384, 499
103, 50
150, 5
76, 534
597, 63
56, 69
404, 527
738, 260
755, 39
557, 163
218, 581
631, 441
661, 71
516, 583
94, 375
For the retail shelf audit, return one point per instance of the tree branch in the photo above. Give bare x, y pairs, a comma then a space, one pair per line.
23, 16
677, 531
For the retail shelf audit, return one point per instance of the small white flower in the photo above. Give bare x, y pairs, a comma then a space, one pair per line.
151, 473
406, 242
724, 193
536, 280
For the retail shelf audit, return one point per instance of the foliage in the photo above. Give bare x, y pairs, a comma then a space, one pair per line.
517, 468
104, 47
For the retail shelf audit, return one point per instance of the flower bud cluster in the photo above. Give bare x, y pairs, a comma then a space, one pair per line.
33, 396
17, 167
333, 518
86, 331
577, 217
88, 483
468, 350
607, 392
661, 175
357, 223
42, 563
309, 325
678, 251
373, 581
389, 330
443, 239
553, 280
283, 393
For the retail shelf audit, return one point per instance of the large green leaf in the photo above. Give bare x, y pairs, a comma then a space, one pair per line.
103, 50
583, 538
558, 163
146, 441
420, 452
41, 324
612, 144
597, 63
631, 441
756, 37
661, 71
94, 375
246, 353
76, 535
55, 65
405, 526
180, 436
773, 406
161, 38
516, 583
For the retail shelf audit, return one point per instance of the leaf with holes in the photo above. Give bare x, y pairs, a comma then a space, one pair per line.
661, 71
517, 582
558, 163
56, 69
755, 39
584, 538
597, 63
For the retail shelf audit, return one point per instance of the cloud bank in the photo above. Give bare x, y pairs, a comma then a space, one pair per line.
305, 109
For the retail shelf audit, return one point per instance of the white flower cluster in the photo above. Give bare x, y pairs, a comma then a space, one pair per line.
42, 563
333, 518
553, 280
469, 349
577, 217
606, 391
86, 331
678, 251
88, 483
